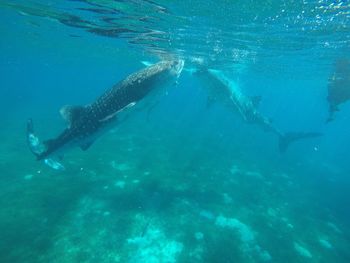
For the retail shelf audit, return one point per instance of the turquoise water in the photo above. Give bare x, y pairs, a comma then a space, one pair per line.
184, 181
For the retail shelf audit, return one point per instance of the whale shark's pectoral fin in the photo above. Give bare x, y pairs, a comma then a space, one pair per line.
113, 116
255, 100
86, 145
147, 63
71, 113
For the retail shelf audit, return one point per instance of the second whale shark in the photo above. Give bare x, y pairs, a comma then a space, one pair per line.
226, 91
338, 87
86, 123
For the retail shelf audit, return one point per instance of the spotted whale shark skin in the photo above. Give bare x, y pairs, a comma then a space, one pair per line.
86, 123
228, 92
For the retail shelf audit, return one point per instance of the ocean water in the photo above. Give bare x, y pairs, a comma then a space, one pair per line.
186, 180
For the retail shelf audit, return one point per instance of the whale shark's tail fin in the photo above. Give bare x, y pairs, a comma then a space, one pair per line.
287, 138
35, 146
38, 148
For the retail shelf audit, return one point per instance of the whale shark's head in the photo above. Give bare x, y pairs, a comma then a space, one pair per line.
164, 73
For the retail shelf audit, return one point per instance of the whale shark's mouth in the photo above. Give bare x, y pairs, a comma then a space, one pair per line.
178, 66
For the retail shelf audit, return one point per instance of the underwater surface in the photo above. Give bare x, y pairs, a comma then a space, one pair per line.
197, 175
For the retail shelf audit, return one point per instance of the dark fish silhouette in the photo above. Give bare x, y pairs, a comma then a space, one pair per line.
338, 87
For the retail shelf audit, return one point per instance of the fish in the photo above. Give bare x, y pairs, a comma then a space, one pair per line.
88, 122
226, 91
338, 87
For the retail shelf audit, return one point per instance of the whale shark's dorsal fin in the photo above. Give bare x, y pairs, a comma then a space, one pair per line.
71, 113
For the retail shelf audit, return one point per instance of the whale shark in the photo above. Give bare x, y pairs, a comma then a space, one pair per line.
338, 87
86, 123
226, 91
